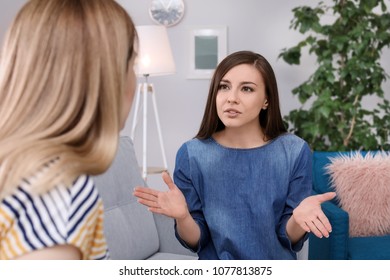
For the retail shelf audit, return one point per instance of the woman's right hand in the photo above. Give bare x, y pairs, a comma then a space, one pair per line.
171, 203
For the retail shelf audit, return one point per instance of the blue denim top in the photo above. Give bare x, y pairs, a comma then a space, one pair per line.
242, 198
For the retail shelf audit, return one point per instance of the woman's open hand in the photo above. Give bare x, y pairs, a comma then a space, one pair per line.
309, 216
170, 203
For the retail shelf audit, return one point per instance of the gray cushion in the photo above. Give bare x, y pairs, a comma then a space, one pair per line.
170, 256
130, 229
132, 232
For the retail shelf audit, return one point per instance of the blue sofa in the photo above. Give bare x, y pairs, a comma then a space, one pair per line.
340, 245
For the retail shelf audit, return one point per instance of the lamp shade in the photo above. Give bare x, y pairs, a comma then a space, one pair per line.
154, 54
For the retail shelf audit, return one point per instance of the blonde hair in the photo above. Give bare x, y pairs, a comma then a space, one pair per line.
63, 75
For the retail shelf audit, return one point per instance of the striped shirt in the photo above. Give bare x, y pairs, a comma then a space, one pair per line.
72, 216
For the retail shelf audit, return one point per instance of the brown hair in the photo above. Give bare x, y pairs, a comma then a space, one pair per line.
270, 120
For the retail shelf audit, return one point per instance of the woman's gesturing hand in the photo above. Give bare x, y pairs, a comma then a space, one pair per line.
170, 203
309, 216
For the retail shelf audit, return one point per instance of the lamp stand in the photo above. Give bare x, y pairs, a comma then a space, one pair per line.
143, 90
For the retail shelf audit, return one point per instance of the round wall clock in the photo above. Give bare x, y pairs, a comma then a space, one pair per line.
166, 12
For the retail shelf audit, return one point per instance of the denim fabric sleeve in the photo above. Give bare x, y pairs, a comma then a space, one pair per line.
184, 180
299, 188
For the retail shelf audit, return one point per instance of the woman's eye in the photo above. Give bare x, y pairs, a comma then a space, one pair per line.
223, 87
247, 89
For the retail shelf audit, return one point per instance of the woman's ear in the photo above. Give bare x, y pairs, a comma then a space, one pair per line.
265, 105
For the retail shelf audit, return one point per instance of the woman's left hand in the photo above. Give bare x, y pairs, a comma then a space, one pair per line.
310, 217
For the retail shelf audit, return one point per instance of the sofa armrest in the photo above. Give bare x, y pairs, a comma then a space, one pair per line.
334, 247
166, 234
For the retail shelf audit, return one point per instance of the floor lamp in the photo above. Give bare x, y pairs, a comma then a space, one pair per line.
154, 59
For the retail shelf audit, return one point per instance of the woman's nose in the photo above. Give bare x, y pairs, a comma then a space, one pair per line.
233, 97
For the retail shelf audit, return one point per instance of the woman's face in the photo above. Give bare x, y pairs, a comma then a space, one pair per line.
241, 96
129, 94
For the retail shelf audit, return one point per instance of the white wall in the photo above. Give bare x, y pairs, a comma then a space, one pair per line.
8, 9
261, 26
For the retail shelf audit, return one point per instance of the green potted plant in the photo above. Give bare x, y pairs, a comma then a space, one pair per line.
333, 116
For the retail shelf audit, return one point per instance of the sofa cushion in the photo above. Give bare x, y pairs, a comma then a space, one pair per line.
362, 184
130, 230
321, 178
171, 256
369, 248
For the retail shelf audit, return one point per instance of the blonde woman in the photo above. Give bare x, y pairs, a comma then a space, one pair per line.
66, 88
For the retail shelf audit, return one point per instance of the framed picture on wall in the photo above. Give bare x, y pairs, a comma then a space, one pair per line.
208, 46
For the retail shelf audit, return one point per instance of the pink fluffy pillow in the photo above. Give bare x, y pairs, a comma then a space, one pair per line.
362, 184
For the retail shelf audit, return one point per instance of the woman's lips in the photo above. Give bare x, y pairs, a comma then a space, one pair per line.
231, 112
